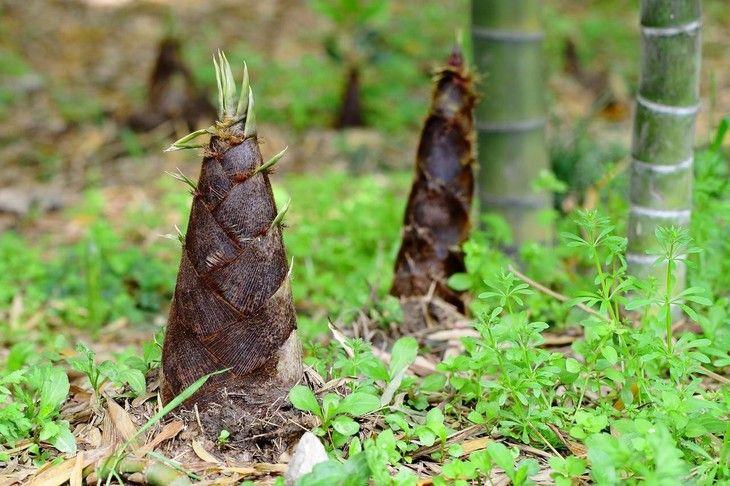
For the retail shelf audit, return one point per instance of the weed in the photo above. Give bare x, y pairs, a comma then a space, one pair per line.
129, 371
32, 399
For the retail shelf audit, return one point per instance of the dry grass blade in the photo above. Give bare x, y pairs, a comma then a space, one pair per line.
341, 339
715, 376
475, 445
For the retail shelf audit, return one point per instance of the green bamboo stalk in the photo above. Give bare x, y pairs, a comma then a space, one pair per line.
510, 119
664, 123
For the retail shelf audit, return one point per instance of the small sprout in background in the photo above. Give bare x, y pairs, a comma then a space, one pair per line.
223, 438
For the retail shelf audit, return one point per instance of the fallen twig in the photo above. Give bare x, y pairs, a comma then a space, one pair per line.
712, 374
552, 293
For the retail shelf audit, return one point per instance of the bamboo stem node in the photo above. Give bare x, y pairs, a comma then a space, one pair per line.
678, 214
519, 201
668, 109
512, 126
688, 28
502, 35
661, 168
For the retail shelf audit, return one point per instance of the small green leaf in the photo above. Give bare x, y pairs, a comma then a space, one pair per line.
575, 466
353, 472
455, 450
345, 425
303, 398
49, 430
54, 388
433, 382
64, 441
375, 369
358, 403
271, 162
572, 365
460, 282
501, 456
135, 379
610, 354
403, 354
425, 436
330, 402
355, 447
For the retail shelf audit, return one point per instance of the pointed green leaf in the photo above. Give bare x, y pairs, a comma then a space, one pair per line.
280, 216
249, 128
219, 83
184, 142
358, 403
303, 398
271, 162
229, 86
64, 440
243, 95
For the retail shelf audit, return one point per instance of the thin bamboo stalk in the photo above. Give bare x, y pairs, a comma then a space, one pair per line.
510, 119
664, 123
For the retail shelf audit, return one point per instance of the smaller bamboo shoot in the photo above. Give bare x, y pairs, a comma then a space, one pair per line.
437, 215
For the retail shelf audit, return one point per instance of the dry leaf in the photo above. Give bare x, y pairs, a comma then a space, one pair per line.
121, 420
475, 444
421, 366
93, 437
61, 473
168, 432
203, 454
576, 448
341, 339
142, 398
233, 479
271, 468
77, 477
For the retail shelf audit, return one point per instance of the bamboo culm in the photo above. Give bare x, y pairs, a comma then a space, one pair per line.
511, 116
663, 138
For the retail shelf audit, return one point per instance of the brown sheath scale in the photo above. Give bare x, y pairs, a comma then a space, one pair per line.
436, 221
232, 307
